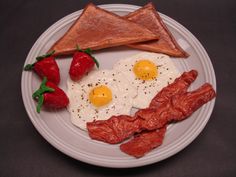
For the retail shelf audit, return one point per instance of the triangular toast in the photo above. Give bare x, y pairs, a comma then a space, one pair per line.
149, 18
97, 28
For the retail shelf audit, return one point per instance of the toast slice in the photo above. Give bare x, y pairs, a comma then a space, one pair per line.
148, 17
97, 28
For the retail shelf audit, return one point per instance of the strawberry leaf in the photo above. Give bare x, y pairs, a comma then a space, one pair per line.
95, 61
45, 55
29, 67
38, 94
40, 103
88, 51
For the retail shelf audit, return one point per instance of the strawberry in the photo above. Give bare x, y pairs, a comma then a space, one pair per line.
50, 95
82, 63
46, 66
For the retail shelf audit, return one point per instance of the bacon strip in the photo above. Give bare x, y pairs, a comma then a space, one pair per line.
114, 130
179, 107
179, 86
145, 141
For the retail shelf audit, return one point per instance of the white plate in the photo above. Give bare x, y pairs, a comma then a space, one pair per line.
56, 128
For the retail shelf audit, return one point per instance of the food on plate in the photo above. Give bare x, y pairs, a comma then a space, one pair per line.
131, 79
145, 141
100, 101
46, 66
148, 17
177, 108
82, 62
179, 86
50, 95
97, 28
98, 96
148, 73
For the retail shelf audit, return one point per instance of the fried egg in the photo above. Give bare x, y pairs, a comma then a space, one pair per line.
98, 96
148, 73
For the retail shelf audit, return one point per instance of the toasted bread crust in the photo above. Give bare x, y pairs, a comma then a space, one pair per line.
97, 28
148, 17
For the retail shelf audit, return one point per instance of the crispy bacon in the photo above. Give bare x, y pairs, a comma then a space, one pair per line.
179, 86
113, 130
144, 142
179, 107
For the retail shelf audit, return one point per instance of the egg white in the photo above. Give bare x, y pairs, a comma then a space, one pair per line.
80, 108
167, 73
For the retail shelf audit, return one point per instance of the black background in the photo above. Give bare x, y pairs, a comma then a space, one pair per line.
24, 152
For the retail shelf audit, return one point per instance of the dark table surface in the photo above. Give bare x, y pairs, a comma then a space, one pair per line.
24, 152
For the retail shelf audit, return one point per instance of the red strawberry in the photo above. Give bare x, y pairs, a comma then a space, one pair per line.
81, 64
50, 95
46, 66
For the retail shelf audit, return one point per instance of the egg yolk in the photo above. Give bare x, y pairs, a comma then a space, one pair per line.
145, 70
100, 96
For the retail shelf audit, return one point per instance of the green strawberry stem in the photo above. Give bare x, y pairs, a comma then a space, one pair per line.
38, 94
89, 52
40, 103
29, 67
45, 55
95, 60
